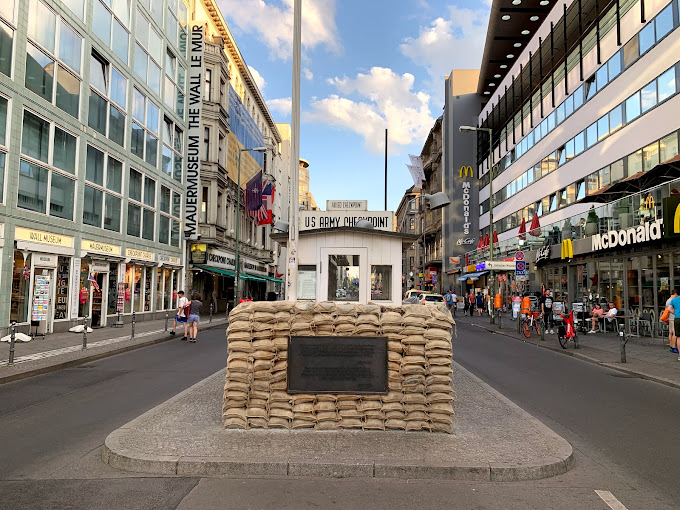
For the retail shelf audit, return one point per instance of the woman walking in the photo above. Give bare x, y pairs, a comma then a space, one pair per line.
194, 317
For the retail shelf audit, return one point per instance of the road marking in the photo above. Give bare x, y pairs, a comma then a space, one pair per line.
611, 500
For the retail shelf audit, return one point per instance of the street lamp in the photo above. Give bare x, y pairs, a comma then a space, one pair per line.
237, 277
469, 129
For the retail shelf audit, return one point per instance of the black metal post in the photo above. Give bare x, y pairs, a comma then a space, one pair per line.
12, 340
166, 320
580, 40
597, 31
552, 62
642, 11
386, 169
133, 324
623, 340
85, 333
531, 95
521, 101
540, 73
618, 23
211, 311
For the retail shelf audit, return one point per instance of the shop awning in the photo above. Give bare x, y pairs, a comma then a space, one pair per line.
216, 270
472, 276
272, 279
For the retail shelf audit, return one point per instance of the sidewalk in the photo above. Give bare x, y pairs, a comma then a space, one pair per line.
61, 350
648, 361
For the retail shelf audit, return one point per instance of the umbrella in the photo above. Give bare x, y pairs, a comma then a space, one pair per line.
522, 230
535, 228
486, 240
495, 237
480, 244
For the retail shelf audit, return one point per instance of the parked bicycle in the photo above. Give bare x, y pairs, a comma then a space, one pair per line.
531, 321
566, 330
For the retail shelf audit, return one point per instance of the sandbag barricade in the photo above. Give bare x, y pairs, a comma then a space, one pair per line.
419, 376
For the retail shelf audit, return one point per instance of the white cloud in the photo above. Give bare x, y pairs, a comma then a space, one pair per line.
308, 73
282, 105
273, 23
446, 44
384, 99
259, 80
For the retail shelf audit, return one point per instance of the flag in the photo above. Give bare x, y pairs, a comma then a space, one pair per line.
93, 281
535, 228
266, 215
27, 272
418, 166
486, 240
480, 244
523, 231
253, 194
415, 175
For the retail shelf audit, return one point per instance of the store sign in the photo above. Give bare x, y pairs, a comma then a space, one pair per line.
345, 205
466, 208
543, 253
221, 259
464, 241
634, 235
96, 246
99, 266
44, 260
310, 220
253, 266
193, 159
40, 236
671, 216
133, 253
198, 253
75, 287
120, 298
168, 259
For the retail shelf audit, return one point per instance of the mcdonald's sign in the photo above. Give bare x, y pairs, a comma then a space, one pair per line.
671, 216
567, 249
466, 171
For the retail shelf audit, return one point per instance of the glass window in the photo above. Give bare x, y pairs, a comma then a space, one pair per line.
381, 283
580, 190
62, 196
32, 187
603, 127
140, 62
101, 22
138, 100
35, 138
94, 169
97, 114
152, 116
149, 192
634, 163
551, 122
578, 98
155, 45
134, 220
633, 107
174, 233
593, 183
142, 28
163, 229
118, 88
666, 84
650, 156
39, 72
117, 126
99, 73
631, 51
42, 25
591, 135
6, 43
114, 175
148, 224
20, 288
3, 160
165, 200
668, 147
166, 160
120, 41
569, 149
616, 170
616, 118
614, 66
70, 47
605, 176
68, 92
648, 95
343, 278
560, 113
647, 38
568, 106
571, 193
137, 141
553, 202
154, 79
3, 119
135, 188
151, 149
112, 213
64, 155
664, 22
579, 143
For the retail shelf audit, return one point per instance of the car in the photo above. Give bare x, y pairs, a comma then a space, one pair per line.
414, 292
411, 300
429, 299
340, 293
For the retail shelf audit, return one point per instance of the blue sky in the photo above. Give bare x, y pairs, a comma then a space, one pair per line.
367, 65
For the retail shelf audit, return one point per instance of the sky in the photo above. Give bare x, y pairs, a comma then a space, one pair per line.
367, 65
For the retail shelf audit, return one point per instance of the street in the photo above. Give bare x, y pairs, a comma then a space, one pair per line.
52, 428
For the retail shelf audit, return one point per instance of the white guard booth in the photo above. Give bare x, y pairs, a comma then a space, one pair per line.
344, 263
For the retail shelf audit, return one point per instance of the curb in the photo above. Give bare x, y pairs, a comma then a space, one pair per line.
116, 455
60, 365
583, 357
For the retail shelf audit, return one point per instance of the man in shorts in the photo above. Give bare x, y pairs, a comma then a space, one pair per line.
181, 315
675, 305
672, 339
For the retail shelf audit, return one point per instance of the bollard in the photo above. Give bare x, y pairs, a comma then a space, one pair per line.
133, 324
166, 321
12, 339
85, 333
519, 323
542, 328
211, 312
227, 312
623, 340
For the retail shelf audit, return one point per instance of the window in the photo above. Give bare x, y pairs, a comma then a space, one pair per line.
53, 59
580, 190
602, 77
145, 126
108, 99
605, 177
664, 22
616, 118
634, 163
381, 283
593, 183
169, 216
175, 24
110, 25
666, 84
614, 66
633, 107
591, 135
650, 156
171, 159
206, 144
648, 96
47, 168
148, 52
616, 170
102, 195
175, 81
579, 143
668, 147
141, 214
206, 87
560, 114
343, 278
204, 205
590, 87
631, 51
647, 38
603, 127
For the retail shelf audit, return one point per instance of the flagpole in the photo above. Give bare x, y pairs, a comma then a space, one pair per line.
291, 254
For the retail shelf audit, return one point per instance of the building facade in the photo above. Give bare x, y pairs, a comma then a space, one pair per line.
306, 199
91, 94
583, 110
409, 222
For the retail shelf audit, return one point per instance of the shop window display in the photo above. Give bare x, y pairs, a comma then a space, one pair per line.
84, 307
663, 283
147, 290
61, 291
20, 287
159, 289
167, 291
129, 279
138, 292
113, 288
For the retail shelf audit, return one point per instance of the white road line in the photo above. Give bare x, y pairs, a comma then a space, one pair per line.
611, 501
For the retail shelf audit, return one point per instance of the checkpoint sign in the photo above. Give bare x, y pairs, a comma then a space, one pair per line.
520, 268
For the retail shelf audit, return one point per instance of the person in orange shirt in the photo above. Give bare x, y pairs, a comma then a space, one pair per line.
526, 305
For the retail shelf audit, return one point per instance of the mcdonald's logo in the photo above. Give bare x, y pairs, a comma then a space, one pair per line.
648, 203
671, 216
567, 249
464, 170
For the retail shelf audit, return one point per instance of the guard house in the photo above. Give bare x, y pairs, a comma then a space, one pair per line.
349, 254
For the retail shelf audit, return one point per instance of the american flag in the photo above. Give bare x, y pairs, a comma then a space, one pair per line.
265, 212
93, 281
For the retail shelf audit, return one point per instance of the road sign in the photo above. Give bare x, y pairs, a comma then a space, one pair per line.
519, 255
520, 277
520, 268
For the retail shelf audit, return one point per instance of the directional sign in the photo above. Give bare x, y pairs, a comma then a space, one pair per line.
520, 268
519, 255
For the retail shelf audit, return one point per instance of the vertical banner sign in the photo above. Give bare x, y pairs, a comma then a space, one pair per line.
75, 287
193, 159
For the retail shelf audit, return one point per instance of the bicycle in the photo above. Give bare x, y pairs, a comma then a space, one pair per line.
566, 330
498, 317
531, 321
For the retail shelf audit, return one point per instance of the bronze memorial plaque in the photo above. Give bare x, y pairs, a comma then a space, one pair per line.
336, 364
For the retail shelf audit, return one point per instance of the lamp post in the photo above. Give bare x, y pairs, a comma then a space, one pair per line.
237, 264
469, 129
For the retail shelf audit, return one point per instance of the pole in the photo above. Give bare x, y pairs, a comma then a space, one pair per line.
12, 340
166, 321
386, 169
237, 268
133, 325
85, 333
211, 311
291, 284
491, 285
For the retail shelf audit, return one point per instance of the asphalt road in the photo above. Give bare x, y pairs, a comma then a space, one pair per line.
52, 429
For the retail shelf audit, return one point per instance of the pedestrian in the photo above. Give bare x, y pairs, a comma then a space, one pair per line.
516, 306
598, 313
547, 310
479, 303
194, 318
454, 302
675, 303
180, 314
471, 300
466, 304
672, 338
448, 300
